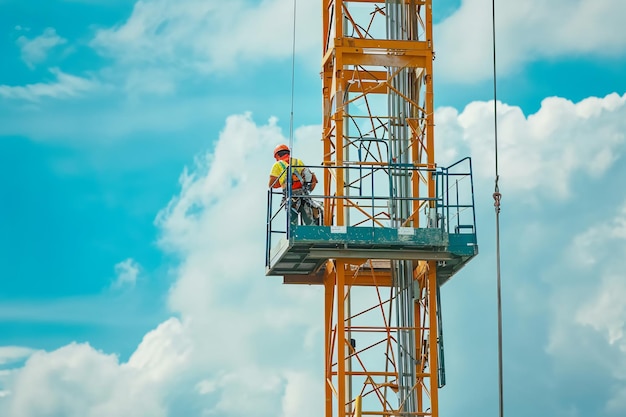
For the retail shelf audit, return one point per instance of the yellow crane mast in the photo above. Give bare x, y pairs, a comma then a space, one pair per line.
396, 226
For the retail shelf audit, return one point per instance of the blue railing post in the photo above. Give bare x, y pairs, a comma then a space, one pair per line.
289, 196
268, 236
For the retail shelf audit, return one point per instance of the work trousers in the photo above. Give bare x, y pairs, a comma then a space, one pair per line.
301, 208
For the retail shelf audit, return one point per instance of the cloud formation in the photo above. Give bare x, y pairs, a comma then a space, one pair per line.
208, 36
544, 151
126, 273
35, 51
526, 32
10, 354
77, 380
587, 337
65, 86
240, 340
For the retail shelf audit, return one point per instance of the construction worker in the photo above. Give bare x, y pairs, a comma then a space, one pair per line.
303, 180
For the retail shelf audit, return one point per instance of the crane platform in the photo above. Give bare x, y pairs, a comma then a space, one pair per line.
299, 252
301, 256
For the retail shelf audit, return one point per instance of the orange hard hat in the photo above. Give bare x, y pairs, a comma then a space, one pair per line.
280, 148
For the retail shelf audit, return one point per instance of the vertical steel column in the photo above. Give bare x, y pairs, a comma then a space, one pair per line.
329, 296
432, 337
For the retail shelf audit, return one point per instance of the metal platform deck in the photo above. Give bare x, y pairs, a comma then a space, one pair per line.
310, 247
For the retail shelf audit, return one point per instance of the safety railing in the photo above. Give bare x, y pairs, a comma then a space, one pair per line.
370, 199
457, 197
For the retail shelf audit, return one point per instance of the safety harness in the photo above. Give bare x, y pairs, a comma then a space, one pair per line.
302, 201
296, 179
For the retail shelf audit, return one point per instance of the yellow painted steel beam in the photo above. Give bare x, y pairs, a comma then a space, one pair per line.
353, 56
418, 2
433, 362
389, 53
381, 279
378, 46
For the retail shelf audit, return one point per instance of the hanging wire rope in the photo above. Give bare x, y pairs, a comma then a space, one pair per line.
288, 193
497, 197
293, 77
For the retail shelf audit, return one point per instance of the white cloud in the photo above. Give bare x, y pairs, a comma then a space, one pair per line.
213, 35
10, 354
120, 309
217, 227
527, 31
208, 35
242, 340
52, 382
126, 273
164, 42
604, 310
35, 51
65, 86
111, 3
543, 151
79, 381
587, 321
149, 80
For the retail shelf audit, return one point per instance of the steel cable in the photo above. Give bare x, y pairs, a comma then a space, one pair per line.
497, 196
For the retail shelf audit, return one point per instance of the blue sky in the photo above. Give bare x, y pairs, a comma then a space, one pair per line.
124, 127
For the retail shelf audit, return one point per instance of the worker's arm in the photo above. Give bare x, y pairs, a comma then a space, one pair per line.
309, 178
274, 183
313, 181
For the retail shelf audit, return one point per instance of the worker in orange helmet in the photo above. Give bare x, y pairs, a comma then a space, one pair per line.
303, 180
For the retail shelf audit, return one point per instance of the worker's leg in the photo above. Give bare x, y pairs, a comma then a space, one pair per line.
293, 215
316, 213
318, 219
307, 214
292, 210
298, 207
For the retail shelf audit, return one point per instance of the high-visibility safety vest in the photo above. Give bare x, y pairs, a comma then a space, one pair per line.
280, 170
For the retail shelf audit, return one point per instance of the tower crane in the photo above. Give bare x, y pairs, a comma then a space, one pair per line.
396, 225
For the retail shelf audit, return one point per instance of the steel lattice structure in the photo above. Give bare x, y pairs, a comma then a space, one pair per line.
381, 318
